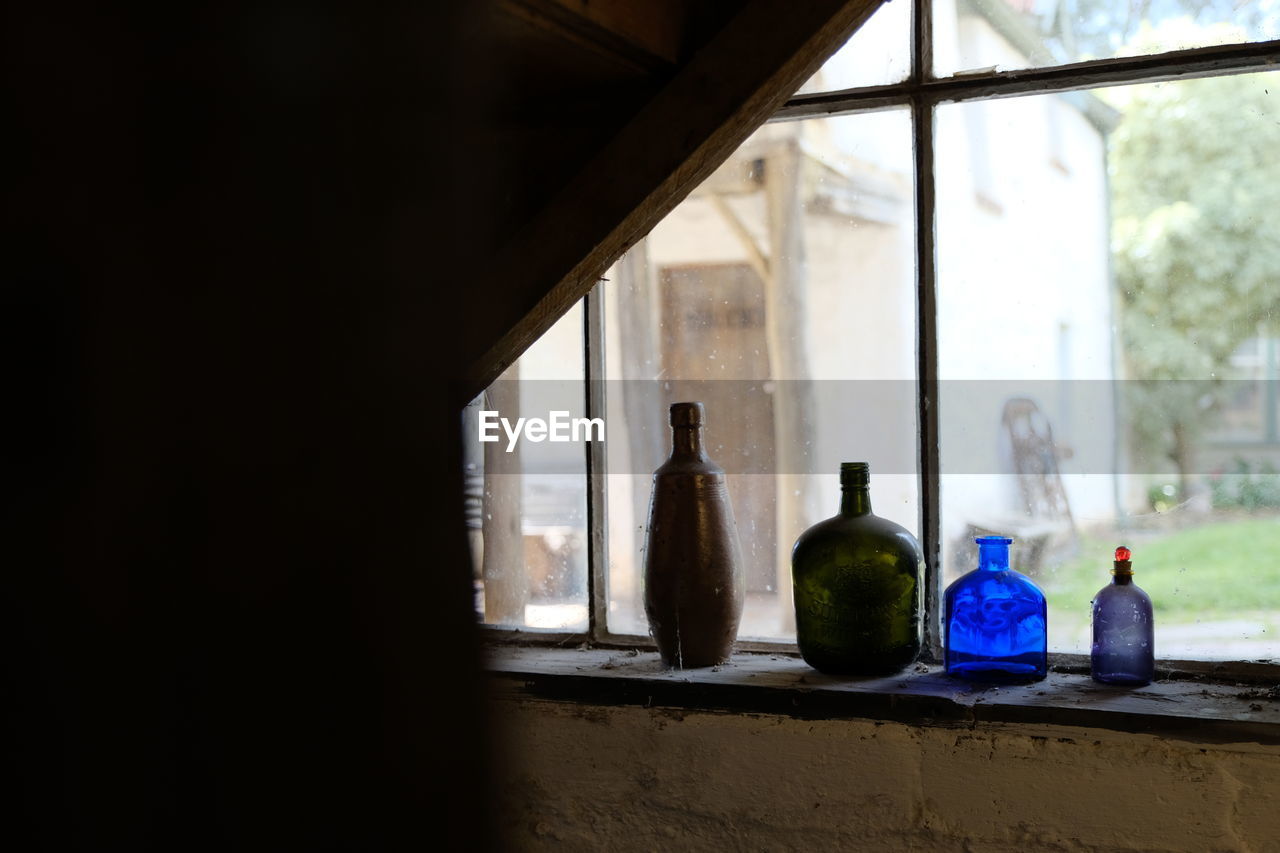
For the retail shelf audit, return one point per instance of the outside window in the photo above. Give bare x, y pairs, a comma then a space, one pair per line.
527, 500
781, 294
1040, 304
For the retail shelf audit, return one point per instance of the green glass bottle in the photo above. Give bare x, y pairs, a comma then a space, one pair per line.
857, 584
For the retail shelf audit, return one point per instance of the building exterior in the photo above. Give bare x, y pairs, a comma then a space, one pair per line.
831, 200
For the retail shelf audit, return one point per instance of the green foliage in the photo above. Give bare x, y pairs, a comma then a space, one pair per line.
1096, 28
1195, 188
1247, 490
1162, 497
1217, 570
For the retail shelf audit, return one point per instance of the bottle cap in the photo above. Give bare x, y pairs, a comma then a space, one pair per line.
686, 414
855, 474
993, 540
1123, 566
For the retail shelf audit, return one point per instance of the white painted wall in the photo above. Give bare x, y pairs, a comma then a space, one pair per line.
1023, 279
590, 778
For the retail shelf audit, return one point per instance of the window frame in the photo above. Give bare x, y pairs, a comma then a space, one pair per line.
921, 93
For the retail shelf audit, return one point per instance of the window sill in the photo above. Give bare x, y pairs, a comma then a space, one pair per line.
1196, 711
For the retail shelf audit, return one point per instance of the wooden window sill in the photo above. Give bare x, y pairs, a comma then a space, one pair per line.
1197, 711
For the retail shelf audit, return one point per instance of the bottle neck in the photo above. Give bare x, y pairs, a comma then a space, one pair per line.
993, 558
855, 500
686, 442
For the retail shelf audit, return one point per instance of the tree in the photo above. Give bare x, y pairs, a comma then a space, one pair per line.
1081, 29
1195, 191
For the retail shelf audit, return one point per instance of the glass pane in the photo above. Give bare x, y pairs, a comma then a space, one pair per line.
781, 295
1108, 280
876, 54
1249, 410
972, 35
526, 495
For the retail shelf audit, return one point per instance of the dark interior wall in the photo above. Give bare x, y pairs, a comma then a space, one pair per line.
238, 588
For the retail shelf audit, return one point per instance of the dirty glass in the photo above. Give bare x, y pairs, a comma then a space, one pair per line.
781, 295
1108, 308
985, 35
526, 500
876, 54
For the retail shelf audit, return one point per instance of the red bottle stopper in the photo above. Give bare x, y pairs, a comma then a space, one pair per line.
1123, 553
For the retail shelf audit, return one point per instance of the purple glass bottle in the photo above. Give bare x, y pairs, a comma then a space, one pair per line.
1123, 629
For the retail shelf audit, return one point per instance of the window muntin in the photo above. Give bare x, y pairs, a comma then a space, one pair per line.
927, 99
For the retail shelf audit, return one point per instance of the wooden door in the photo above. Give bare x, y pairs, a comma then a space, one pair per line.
713, 328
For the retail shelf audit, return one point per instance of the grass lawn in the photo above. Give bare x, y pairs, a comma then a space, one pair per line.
1218, 570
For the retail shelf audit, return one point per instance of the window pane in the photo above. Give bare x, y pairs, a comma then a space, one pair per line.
781, 295
1010, 34
527, 499
1107, 276
1249, 402
877, 53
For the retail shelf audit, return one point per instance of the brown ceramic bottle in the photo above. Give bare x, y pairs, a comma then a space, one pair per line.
692, 563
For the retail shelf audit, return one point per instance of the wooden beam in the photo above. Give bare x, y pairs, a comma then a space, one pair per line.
755, 256
727, 90
655, 26
616, 31
736, 177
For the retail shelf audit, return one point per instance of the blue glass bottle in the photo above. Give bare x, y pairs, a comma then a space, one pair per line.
995, 621
1123, 629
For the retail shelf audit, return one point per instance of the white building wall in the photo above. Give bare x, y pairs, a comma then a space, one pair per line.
1023, 284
